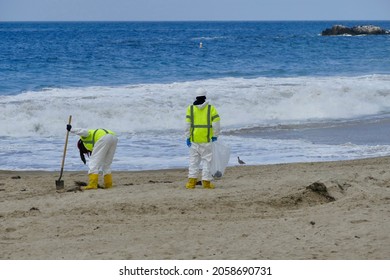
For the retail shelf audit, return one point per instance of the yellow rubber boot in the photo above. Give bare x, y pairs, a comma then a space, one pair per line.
191, 183
207, 185
93, 182
107, 181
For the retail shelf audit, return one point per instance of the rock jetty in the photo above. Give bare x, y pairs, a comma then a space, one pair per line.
356, 30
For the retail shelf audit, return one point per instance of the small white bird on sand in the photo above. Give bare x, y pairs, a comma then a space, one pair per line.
240, 161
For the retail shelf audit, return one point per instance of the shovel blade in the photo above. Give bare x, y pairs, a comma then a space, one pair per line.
59, 184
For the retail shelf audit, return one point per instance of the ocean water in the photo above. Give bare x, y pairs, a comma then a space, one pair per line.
284, 93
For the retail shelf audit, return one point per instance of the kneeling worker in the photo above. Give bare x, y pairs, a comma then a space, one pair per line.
100, 145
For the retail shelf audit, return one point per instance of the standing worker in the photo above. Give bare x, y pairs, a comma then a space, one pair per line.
99, 145
202, 128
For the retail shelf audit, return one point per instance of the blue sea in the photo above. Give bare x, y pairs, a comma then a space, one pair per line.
284, 92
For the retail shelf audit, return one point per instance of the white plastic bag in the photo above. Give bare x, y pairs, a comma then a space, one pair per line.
220, 159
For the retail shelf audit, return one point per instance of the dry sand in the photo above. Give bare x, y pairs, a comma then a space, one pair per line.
270, 212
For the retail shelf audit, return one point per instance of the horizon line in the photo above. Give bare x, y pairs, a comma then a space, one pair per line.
227, 20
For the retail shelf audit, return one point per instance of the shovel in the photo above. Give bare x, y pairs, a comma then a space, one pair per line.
59, 182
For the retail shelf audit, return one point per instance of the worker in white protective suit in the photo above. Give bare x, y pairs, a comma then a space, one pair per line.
202, 128
99, 145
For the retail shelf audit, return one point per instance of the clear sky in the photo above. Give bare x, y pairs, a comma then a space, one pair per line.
172, 10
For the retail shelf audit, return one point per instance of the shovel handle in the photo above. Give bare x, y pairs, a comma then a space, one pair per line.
66, 145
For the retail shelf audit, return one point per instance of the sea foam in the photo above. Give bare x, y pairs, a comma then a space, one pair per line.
160, 108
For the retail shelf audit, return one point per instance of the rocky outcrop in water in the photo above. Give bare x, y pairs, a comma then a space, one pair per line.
356, 30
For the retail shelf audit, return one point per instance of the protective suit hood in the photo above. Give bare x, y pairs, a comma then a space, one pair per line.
201, 106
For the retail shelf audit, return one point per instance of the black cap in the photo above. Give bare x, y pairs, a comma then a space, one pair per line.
200, 100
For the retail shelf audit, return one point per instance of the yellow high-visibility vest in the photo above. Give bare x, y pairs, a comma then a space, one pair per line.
93, 136
201, 120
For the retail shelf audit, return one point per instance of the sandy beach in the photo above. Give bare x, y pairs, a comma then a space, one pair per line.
301, 211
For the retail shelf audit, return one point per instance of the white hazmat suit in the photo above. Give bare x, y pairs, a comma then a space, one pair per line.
102, 153
102, 143
202, 127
